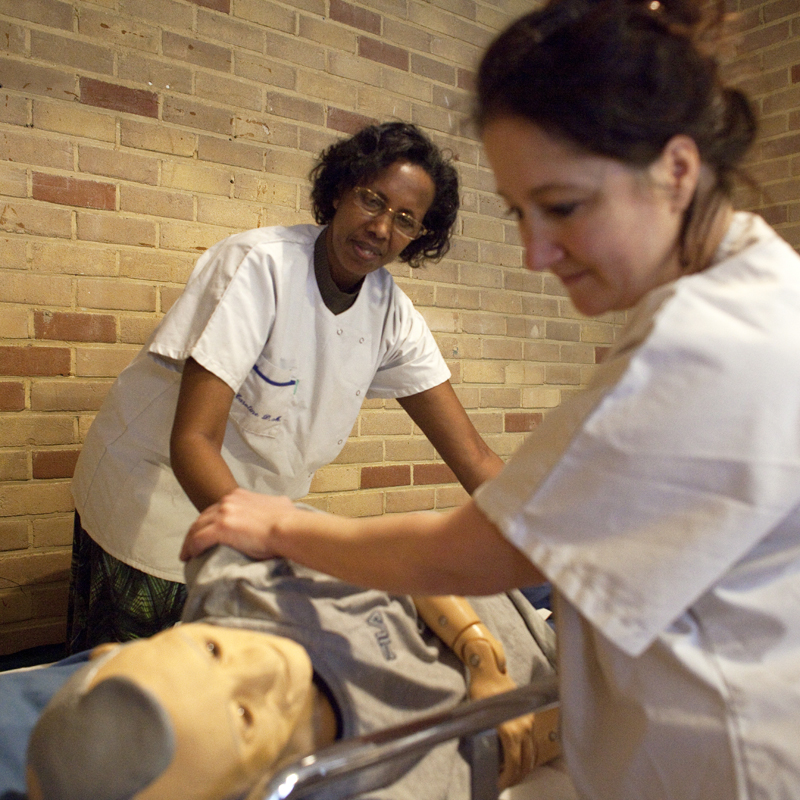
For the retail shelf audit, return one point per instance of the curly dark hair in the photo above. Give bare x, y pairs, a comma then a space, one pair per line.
350, 162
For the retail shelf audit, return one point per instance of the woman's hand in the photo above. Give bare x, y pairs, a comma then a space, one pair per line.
243, 520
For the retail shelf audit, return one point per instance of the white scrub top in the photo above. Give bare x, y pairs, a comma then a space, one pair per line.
664, 505
252, 314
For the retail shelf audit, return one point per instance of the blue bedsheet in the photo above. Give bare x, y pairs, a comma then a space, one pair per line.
23, 694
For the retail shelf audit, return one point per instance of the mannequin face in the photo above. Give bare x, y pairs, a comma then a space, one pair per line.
239, 702
609, 232
358, 244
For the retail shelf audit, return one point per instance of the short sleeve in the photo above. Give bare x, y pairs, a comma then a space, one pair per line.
224, 315
639, 495
411, 361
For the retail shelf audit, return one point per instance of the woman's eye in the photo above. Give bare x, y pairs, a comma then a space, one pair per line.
561, 209
246, 715
213, 648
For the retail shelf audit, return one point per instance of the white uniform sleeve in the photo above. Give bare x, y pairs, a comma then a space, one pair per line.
225, 313
638, 496
411, 361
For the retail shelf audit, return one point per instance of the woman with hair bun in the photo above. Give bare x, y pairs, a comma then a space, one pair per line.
663, 503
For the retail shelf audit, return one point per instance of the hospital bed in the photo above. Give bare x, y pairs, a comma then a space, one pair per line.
341, 771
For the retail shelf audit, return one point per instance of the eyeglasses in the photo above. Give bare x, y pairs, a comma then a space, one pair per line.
374, 205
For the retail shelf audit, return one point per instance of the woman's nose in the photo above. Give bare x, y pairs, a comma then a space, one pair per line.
541, 251
382, 224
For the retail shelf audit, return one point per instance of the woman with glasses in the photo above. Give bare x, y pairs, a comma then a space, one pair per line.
255, 377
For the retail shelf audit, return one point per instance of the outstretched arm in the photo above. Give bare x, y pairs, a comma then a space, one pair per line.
527, 741
457, 552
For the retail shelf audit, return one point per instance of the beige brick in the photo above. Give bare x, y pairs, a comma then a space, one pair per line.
13, 253
164, 12
14, 465
382, 104
136, 330
13, 181
540, 397
224, 29
102, 363
113, 29
335, 479
118, 164
13, 322
523, 373
158, 138
155, 202
269, 15
238, 153
115, 229
13, 534
145, 70
357, 451
441, 319
107, 294
37, 430
189, 176
450, 497
74, 258
265, 71
260, 189
53, 531
30, 78
16, 604
67, 395
182, 111
37, 633
484, 324
67, 51
149, 265
38, 219
338, 39
167, 297
192, 238
84, 423
385, 423
231, 213
407, 500
33, 498
357, 504
239, 93
501, 398
355, 69
483, 372
42, 290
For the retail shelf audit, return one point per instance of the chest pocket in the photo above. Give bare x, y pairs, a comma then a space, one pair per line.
265, 401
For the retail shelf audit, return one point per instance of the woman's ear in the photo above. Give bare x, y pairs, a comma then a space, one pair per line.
678, 169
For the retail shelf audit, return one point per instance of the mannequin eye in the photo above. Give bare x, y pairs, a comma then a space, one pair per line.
246, 714
214, 649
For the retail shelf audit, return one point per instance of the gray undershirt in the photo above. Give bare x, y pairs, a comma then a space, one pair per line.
334, 298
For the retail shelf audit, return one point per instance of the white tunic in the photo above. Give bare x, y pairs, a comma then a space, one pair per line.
663, 504
251, 314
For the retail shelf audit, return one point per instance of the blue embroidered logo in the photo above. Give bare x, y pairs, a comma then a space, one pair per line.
375, 620
271, 382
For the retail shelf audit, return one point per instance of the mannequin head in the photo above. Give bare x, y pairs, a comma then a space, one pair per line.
197, 711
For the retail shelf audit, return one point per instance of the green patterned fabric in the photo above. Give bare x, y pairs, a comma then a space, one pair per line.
110, 601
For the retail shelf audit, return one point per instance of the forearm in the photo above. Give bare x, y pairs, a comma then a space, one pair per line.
201, 470
458, 552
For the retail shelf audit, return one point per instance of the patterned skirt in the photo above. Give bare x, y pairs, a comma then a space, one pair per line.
110, 601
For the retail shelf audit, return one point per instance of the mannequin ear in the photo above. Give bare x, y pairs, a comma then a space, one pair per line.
678, 168
106, 744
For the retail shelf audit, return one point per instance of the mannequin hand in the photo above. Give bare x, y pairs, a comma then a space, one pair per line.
242, 520
516, 735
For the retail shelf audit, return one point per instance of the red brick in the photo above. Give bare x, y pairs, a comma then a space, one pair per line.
12, 396
215, 5
347, 121
73, 192
29, 361
54, 463
355, 17
433, 473
73, 327
383, 53
519, 422
118, 98
377, 477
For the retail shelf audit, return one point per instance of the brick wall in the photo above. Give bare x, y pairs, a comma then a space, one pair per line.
765, 61
136, 133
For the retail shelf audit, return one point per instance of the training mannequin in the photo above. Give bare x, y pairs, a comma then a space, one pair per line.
211, 708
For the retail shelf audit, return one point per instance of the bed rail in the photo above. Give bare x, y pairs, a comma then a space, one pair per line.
352, 767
